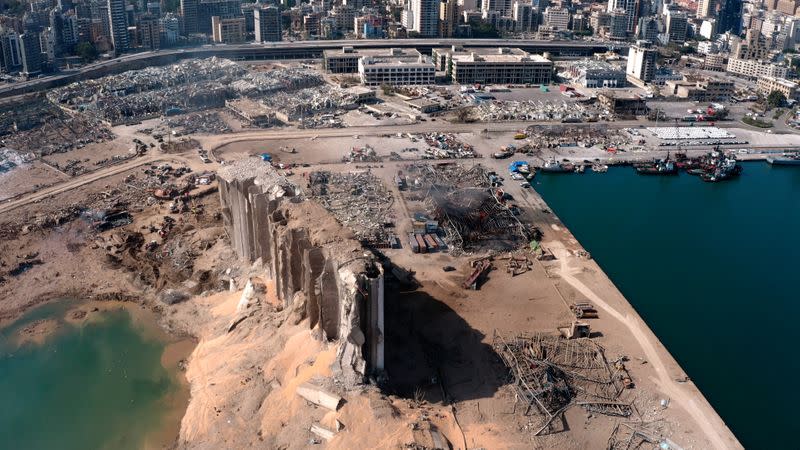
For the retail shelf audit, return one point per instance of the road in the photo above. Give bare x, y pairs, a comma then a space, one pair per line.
86, 179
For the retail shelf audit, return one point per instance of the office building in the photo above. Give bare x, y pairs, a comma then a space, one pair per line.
149, 31
267, 23
425, 17
118, 23
189, 13
31, 54
556, 18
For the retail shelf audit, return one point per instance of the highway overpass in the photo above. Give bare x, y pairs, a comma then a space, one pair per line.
295, 50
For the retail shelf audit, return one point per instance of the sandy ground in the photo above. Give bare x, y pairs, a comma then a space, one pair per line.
27, 178
243, 382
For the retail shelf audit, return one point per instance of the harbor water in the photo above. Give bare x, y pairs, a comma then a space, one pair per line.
713, 270
97, 383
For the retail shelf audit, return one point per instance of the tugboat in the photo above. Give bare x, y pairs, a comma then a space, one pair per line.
553, 166
788, 159
658, 167
724, 168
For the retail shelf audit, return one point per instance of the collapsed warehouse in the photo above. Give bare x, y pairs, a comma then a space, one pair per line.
473, 213
289, 94
551, 374
322, 266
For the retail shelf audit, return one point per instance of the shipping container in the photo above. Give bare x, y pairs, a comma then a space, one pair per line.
412, 241
431, 243
423, 248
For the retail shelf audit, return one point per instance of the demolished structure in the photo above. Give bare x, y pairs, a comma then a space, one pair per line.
310, 257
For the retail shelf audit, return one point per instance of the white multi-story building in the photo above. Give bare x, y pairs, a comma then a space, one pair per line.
752, 68
642, 61
493, 65
396, 68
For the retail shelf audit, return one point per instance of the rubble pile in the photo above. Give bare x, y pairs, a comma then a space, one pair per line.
358, 200
546, 136
257, 84
362, 154
51, 131
305, 104
152, 185
446, 146
209, 122
533, 110
195, 84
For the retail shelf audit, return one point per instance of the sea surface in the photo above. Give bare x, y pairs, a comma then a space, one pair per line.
714, 270
93, 385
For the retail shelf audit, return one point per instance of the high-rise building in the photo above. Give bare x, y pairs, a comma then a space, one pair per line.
449, 12
526, 17
118, 22
631, 8
31, 54
618, 24
189, 14
267, 23
149, 31
730, 17
11, 58
642, 61
426, 17
676, 26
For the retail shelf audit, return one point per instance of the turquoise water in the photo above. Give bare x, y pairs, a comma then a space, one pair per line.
713, 270
96, 386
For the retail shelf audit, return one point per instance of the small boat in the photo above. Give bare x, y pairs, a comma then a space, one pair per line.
520, 167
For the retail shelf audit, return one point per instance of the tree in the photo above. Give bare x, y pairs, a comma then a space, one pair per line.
775, 99
86, 51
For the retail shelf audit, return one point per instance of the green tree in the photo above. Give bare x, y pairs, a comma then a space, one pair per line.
775, 99
86, 51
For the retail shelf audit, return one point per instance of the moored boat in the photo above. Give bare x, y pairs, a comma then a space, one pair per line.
788, 159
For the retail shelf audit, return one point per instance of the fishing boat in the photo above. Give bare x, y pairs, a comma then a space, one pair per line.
788, 159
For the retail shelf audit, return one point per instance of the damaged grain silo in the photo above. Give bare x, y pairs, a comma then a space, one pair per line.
307, 254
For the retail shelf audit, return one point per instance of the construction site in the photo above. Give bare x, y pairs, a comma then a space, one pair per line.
338, 279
